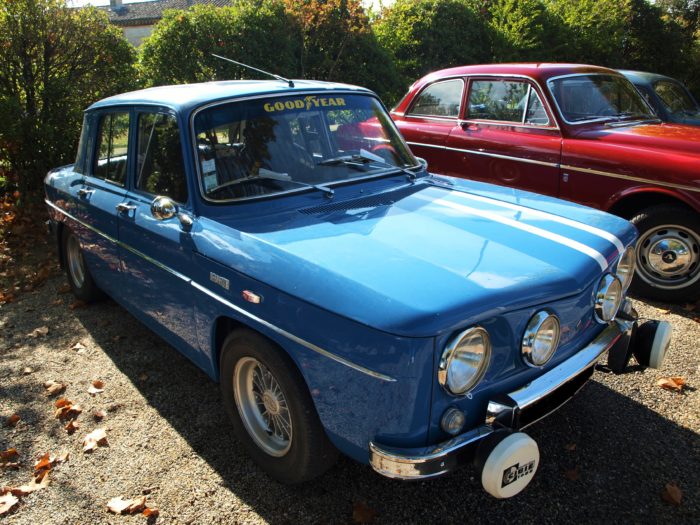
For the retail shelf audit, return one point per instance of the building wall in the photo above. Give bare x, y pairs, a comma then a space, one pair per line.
136, 34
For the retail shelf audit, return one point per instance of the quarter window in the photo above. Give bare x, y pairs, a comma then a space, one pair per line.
113, 144
441, 99
159, 167
506, 101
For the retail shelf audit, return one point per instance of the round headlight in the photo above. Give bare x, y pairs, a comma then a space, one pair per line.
608, 298
625, 268
541, 338
464, 360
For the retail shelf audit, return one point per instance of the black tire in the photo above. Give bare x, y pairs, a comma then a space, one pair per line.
662, 280
79, 278
309, 452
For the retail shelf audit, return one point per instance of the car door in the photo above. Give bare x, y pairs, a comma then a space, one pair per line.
96, 196
157, 252
427, 123
508, 136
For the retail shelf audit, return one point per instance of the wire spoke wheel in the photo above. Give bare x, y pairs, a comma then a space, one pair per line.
263, 406
75, 263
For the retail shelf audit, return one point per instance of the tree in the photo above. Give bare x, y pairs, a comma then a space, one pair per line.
425, 35
337, 44
55, 62
523, 30
259, 33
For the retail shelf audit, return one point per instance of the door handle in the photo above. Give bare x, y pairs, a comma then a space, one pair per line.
125, 208
82, 192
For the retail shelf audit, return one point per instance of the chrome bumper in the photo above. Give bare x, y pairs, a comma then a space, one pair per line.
516, 410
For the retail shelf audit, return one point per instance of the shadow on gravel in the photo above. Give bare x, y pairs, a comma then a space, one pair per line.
624, 454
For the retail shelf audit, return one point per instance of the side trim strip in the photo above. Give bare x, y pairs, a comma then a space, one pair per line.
293, 337
227, 303
629, 177
486, 154
560, 239
545, 215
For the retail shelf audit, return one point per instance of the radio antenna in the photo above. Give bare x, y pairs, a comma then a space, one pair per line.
290, 82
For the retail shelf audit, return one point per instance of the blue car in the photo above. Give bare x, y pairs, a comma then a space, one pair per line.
669, 98
283, 237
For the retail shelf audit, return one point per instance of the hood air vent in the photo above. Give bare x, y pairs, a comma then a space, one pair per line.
371, 201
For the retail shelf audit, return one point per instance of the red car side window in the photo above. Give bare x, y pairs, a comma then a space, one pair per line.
441, 99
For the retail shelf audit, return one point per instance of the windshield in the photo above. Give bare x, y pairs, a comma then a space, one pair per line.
269, 146
598, 97
674, 97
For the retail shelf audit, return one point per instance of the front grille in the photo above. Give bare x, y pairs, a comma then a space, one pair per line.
372, 201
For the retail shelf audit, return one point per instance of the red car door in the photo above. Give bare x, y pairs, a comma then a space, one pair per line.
430, 118
507, 136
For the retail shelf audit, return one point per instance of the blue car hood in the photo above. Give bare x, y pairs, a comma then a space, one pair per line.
425, 258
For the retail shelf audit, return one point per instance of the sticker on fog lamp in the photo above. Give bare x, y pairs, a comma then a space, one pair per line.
515, 472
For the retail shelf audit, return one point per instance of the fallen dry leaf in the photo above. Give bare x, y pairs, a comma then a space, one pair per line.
77, 304
64, 289
151, 513
63, 457
13, 420
573, 474
97, 387
27, 371
7, 502
9, 458
9, 455
32, 486
361, 513
672, 494
570, 447
127, 506
99, 415
72, 426
97, 437
39, 332
68, 411
62, 402
78, 347
671, 383
53, 388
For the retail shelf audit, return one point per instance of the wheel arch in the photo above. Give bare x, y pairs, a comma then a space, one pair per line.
627, 204
225, 325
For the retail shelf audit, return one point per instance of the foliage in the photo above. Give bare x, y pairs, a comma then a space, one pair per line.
523, 30
259, 33
339, 45
55, 62
426, 35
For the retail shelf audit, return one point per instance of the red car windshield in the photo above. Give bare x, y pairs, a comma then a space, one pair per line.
283, 144
584, 98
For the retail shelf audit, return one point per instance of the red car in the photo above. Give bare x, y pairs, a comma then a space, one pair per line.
576, 132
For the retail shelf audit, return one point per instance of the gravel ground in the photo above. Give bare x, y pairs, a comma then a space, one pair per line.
606, 456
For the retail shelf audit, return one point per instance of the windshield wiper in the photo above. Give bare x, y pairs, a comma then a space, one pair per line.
328, 192
363, 158
624, 118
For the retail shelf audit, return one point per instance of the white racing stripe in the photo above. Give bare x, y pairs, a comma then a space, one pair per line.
579, 247
545, 215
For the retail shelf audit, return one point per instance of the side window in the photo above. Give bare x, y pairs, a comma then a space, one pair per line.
159, 168
536, 114
112, 145
441, 99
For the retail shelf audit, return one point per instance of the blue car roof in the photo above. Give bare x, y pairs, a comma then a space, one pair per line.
185, 97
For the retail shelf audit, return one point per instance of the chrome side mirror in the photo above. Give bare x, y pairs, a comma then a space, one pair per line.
163, 208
